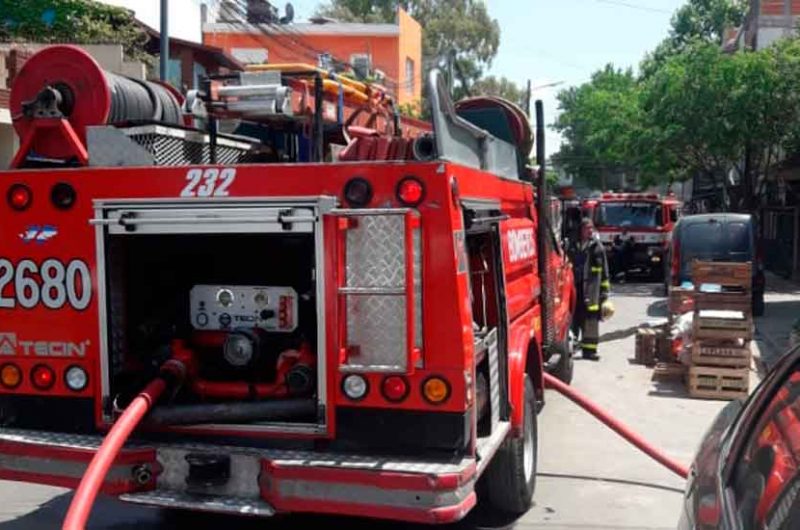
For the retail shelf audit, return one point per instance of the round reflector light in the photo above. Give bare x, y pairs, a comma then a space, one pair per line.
42, 377
358, 192
10, 375
435, 390
63, 196
410, 191
76, 378
355, 387
19, 197
394, 388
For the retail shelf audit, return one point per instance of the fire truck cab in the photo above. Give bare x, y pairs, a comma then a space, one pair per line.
635, 229
361, 317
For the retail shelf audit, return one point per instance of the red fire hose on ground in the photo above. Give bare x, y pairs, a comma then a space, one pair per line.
616, 425
86, 494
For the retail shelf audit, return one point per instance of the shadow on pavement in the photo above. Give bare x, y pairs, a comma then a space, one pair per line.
611, 480
669, 388
637, 289
618, 334
657, 309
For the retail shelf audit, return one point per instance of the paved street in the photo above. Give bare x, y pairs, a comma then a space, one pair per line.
589, 478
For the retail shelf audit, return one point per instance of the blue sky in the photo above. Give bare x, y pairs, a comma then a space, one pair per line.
546, 41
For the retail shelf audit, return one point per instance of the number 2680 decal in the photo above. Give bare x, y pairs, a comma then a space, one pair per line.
52, 284
209, 182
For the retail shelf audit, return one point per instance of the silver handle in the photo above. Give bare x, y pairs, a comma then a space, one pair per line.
373, 290
131, 221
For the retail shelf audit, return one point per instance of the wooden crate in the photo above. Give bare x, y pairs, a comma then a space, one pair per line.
664, 348
733, 301
646, 346
719, 325
669, 371
729, 275
721, 353
710, 382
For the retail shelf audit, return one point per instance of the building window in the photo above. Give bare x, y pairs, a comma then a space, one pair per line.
250, 55
410, 81
361, 64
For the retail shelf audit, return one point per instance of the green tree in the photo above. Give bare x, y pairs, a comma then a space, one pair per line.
461, 30
370, 11
716, 113
697, 20
599, 122
76, 21
502, 87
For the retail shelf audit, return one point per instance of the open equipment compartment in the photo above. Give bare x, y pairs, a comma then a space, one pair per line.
235, 289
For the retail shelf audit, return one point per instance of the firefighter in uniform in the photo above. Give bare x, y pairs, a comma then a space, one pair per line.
592, 284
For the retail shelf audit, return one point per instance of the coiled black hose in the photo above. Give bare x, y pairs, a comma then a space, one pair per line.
135, 100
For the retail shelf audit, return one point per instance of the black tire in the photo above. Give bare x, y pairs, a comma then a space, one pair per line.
561, 365
758, 304
510, 479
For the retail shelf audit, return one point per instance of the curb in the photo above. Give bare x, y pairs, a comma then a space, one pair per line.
775, 351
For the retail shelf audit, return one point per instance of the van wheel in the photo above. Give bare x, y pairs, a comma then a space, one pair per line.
564, 364
511, 475
758, 304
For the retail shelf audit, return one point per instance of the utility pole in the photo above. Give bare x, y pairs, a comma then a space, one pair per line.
528, 94
163, 62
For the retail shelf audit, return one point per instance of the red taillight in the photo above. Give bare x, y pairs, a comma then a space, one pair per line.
42, 377
410, 191
676, 263
19, 197
394, 388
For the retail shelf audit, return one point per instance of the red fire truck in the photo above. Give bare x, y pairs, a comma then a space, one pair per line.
635, 228
360, 318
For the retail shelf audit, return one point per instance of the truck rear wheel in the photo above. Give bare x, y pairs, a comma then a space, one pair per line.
511, 476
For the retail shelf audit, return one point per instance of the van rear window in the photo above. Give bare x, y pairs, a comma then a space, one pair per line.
739, 237
702, 240
715, 241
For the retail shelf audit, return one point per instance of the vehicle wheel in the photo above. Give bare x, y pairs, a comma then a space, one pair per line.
511, 476
758, 304
562, 364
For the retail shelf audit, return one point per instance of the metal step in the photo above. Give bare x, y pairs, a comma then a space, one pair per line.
487, 446
203, 503
282, 457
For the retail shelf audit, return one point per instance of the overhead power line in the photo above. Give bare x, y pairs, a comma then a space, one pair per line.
631, 5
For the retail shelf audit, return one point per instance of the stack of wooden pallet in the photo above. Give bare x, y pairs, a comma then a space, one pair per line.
722, 330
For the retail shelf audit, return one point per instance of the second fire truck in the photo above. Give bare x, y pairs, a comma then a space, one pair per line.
635, 229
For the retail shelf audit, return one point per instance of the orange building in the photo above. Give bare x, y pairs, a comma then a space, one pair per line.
391, 50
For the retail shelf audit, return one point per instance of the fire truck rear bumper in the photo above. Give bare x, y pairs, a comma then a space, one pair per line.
260, 482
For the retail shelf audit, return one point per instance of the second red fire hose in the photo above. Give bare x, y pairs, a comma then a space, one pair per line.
616, 425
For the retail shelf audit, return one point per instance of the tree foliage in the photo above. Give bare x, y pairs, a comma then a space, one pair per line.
501, 87
76, 21
598, 123
697, 20
461, 30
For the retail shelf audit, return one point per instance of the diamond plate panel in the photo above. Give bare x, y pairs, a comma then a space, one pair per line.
376, 252
376, 325
284, 457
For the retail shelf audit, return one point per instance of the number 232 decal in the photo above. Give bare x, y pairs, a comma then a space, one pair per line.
210, 182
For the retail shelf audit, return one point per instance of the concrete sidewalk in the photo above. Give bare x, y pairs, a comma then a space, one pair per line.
782, 310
